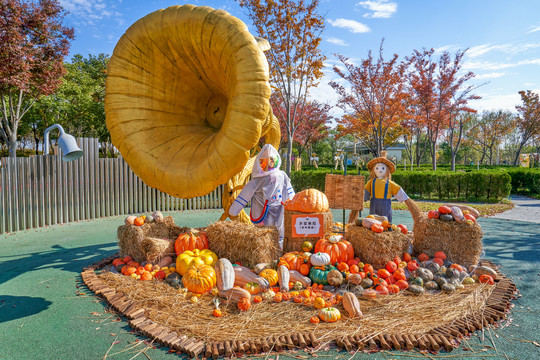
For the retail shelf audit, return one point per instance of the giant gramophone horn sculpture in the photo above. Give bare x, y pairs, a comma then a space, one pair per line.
187, 101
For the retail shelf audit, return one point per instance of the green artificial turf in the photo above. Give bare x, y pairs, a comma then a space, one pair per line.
46, 312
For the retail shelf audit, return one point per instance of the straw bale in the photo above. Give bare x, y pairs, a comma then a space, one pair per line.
291, 243
462, 243
377, 248
413, 315
149, 242
345, 191
244, 243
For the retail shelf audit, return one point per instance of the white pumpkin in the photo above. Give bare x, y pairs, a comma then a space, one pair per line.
268, 295
320, 259
130, 220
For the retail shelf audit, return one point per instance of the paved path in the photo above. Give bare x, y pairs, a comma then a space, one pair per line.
525, 209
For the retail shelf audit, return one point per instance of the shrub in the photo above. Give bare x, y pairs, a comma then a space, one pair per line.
479, 185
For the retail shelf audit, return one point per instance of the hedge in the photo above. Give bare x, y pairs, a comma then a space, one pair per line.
478, 186
525, 180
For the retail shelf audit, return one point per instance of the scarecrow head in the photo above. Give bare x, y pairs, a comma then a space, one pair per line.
381, 167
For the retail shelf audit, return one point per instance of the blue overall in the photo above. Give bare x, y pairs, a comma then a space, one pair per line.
382, 206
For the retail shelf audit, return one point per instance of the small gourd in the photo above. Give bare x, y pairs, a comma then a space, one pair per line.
130, 220
268, 295
334, 278
448, 288
329, 314
416, 289
431, 285
284, 277
235, 294
457, 214
295, 276
351, 305
446, 217
224, 274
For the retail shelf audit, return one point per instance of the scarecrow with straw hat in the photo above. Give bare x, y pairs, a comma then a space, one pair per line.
380, 188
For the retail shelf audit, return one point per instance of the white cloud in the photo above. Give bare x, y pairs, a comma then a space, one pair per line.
496, 102
353, 25
492, 75
87, 11
487, 65
534, 29
480, 50
448, 48
379, 8
337, 41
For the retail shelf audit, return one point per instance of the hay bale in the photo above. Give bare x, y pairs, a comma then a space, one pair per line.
462, 243
291, 243
244, 243
149, 242
376, 248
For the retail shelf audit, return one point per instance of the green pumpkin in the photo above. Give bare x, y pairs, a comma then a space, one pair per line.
416, 281
318, 276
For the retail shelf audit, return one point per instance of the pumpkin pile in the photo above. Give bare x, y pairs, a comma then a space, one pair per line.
459, 213
322, 276
144, 219
378, 224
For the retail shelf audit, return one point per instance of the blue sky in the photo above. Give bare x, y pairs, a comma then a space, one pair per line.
503, 37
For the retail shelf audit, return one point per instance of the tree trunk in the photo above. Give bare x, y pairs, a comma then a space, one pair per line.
453, 161
12, 144
289, 154
434, 155
516, 158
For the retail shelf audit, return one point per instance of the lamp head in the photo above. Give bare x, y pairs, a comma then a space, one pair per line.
70, 149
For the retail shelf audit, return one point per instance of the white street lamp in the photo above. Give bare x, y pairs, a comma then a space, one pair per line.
68, 144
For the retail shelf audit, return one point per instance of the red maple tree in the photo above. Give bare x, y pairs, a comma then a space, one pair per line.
33, 44
373, 100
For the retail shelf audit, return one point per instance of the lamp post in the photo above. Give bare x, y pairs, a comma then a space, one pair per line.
68, 144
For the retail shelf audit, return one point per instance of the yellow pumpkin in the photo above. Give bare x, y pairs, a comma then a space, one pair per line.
271, 275
308, 201
188, 258
199, 278
318, 303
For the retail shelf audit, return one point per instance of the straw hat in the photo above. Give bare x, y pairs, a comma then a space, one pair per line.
384, 160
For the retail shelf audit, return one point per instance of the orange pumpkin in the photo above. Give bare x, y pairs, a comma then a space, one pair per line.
383, 273
257, 299
423, 257
304, 269
308, 201
278, 297
244, 304
294, 260
402, 284
486, 279
138, 221
445, 210
378, 228
391, 266
314, 320
340, 250
216, 313
286, 296
318, 303
393, 289
199, 278
190, 241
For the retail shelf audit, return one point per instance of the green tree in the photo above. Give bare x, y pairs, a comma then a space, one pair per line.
528, 121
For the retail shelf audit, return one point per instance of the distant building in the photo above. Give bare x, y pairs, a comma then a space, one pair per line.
393, 152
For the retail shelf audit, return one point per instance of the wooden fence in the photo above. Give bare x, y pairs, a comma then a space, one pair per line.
44, 190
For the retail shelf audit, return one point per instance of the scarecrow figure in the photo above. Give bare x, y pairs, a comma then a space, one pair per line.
380, 188
314, 159
268, 188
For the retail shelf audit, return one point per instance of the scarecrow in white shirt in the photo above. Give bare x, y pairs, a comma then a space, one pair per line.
268, 188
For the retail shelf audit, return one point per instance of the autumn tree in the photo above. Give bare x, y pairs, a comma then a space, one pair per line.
528, 120
293, 29
419, 123
488, 131
454, 95
312, 127
33, 44
372, 99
